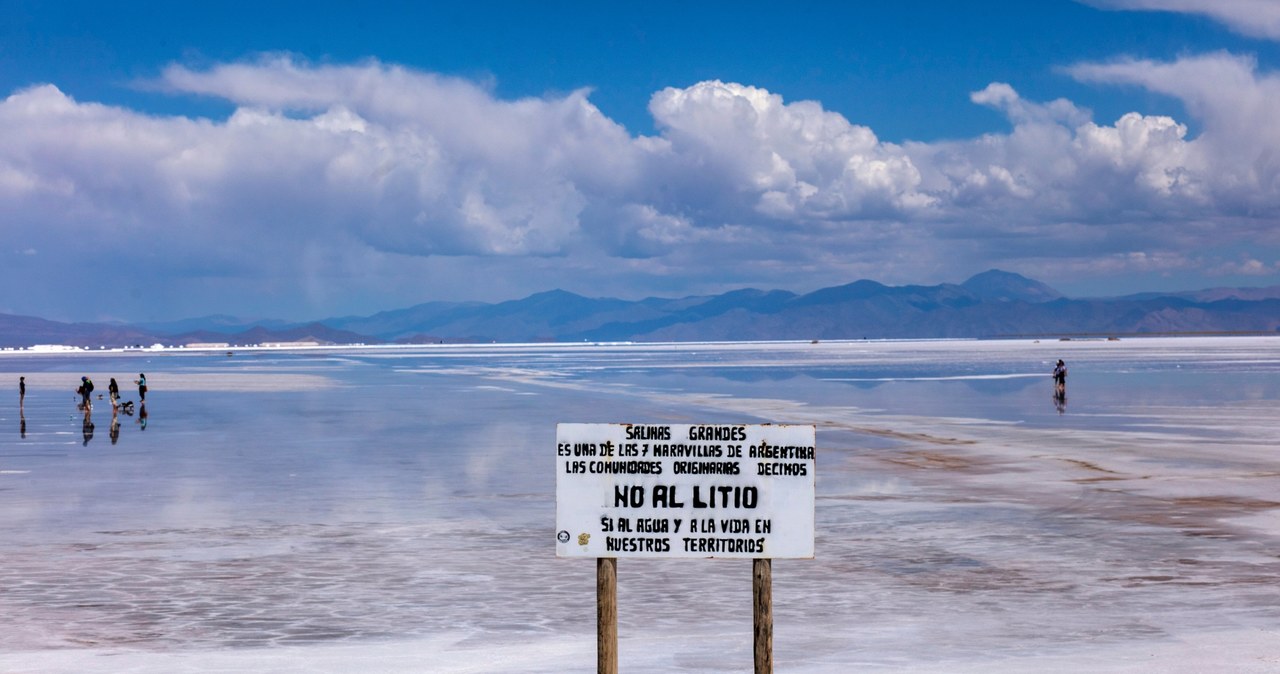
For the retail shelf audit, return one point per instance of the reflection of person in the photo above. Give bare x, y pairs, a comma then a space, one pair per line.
22, 423
88, 427
141, 381
115, 428
142, 416
113, 390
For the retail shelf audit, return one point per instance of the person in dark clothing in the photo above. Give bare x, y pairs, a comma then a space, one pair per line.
141, 381
86, 388
113, 390
22, 390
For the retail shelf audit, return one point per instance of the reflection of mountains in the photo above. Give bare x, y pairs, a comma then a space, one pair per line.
861, 378
1004, 386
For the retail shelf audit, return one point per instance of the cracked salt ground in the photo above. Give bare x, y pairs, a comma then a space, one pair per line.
390, 510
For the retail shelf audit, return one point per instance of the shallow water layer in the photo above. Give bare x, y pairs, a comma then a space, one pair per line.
393, 509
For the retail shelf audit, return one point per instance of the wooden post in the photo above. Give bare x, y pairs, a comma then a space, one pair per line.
762, 594
607, 615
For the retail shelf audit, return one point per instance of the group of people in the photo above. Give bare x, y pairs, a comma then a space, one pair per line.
85, 391
113, 391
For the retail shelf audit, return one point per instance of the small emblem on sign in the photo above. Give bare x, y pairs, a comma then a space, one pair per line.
583, 538
563, 536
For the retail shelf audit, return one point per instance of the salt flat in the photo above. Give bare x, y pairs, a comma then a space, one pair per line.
393, 509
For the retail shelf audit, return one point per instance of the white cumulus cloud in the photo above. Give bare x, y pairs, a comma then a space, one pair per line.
331, 187
1255, 18
792, 161
1235, 158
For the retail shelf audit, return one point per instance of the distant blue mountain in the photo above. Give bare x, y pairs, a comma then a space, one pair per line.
991, 304
24, 331
1001, 286
220, 323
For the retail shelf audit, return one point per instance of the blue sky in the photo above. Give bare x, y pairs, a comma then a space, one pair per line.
303, 160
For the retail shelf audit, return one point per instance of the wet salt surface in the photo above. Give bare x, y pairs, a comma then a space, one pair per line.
392, 510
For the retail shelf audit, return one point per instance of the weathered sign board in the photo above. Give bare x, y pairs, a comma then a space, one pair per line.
685, 491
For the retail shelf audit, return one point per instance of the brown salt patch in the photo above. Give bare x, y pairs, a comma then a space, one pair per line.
863, 497
1140, 581
1193, 516
1106, 476
1230, 503
937, 575
918, 437
1089, 466
929, 460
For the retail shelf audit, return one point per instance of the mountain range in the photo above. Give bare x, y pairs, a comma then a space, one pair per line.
991, 304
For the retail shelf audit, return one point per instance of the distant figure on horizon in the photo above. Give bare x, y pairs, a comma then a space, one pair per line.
141, 381
113, 390
22, 390
1060, 377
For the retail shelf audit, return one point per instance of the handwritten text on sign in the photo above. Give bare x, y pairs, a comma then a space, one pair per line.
674, 490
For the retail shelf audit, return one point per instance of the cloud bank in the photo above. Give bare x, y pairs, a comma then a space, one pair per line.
1255, 18
359, 187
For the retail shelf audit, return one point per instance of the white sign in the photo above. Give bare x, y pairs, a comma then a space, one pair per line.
675, 490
